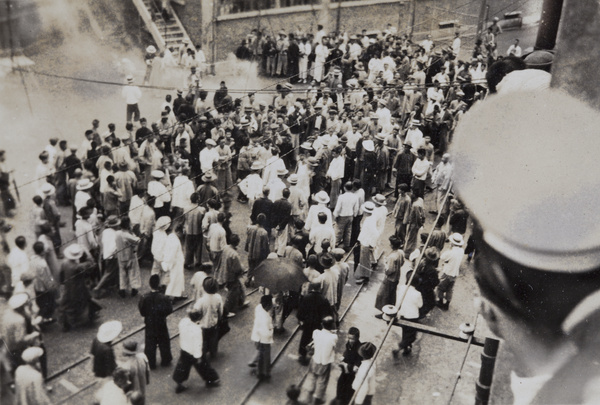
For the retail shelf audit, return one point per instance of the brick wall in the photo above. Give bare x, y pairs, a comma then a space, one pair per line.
354, 16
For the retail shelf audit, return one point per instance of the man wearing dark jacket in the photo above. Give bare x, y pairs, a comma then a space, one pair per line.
263, 206
281, 215
311, 311
155, 307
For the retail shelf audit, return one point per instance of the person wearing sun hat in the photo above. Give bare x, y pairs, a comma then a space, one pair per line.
321, 199
365, 383
450, 261
104, 362
132, 95
251, 186
14, 328
77, 307
368, 237
159, 193
29, 381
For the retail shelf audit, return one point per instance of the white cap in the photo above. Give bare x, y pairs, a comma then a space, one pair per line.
533, 185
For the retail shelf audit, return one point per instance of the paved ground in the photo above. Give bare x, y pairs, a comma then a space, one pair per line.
65, 109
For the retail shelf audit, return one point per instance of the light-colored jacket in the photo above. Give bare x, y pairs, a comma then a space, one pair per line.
262, 331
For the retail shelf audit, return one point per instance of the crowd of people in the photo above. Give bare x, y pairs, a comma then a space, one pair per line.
314, 165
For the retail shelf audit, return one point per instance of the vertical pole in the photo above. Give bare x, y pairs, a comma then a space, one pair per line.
214, 38
412, 19
339, 17
548, 29
486, 373
578, 41
482, 12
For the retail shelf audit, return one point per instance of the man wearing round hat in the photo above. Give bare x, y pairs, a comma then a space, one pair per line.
159, 193
104, 362
450, 261
251, 186
132, 95
368, 237
536, 266
209, 156
29, 382
14, 329
365, 379
321, 199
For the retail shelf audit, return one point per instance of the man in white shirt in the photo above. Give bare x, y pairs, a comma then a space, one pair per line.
414, 136
514, 49
315, 384
321, 232
420, 170
18, 260
190, 342
335, 172
262, 336
110, 262
183, 188
208, 156
132, 95
160, 194
345, 211
456, 44
450, 261
441, 180
408, 310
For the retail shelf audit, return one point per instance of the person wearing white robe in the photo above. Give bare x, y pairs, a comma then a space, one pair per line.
321, 54
159, 239
273, 165
252, 187
173, 261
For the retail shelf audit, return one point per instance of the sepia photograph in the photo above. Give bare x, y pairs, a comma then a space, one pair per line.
268, 202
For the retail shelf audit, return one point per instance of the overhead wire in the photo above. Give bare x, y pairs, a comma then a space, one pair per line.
401, 301
187, 120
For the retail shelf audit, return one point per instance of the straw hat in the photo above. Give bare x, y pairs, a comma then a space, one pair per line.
157, 174
113, 221
73, 252
321, 197
256, 166
293, 179
368, 207
208, 177
48, 189
151, 49
368, 145
282, 172
84, 184
456, 239
379, 199
389, 312
108, 331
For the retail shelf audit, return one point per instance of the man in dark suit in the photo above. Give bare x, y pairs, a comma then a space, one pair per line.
311, 311
263, 206
155, 307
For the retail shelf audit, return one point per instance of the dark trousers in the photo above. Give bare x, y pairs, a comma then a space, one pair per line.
186, 362
306, 338
262, 359
409, 335
210, 342
133, 111
110, 275
418, 187
160, 339
402, 179
235, 296
193, 249
46, 302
